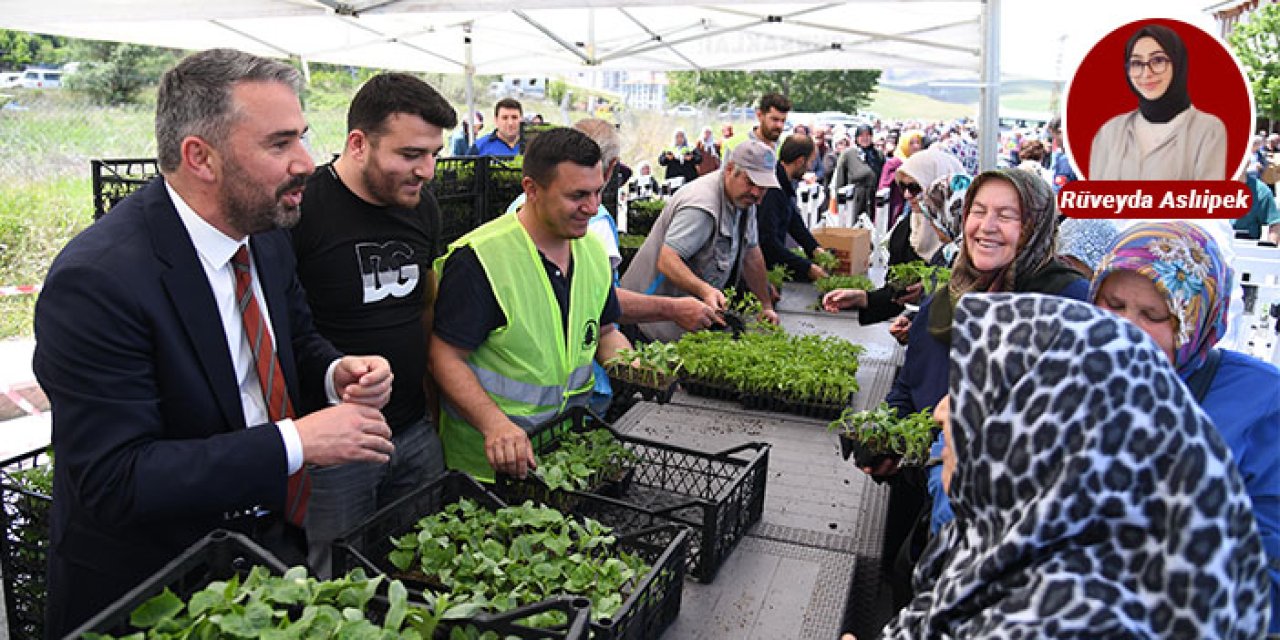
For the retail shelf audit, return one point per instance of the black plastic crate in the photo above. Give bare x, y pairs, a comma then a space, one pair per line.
24, 547
114, 180
459, 214
223, 554
641, 214
218, 556
718, 496
456, 177
501, 185
645, 613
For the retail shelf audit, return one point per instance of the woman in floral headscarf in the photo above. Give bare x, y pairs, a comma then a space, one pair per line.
1170, 279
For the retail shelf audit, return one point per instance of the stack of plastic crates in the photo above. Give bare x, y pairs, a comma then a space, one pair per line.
24, 491
114, 180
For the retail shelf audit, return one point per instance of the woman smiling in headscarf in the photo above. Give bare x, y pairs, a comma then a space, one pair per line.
1165, 138
1170, 279
1093, 499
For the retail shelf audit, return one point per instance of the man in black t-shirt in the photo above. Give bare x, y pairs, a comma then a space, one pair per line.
365, 245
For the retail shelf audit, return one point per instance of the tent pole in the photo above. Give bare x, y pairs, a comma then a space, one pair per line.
470, 70
989, 104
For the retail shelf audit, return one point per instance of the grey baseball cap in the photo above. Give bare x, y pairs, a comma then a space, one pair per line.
757, 159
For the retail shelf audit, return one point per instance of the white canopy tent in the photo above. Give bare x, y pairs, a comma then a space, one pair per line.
494, 37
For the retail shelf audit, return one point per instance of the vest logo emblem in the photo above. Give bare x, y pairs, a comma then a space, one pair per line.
590, 333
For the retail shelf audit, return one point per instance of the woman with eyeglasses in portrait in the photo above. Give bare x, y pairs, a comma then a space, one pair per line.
1165, 138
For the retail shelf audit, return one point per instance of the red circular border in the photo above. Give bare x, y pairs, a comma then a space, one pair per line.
1099, 91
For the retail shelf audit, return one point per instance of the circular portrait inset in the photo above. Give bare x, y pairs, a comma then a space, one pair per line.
1158, 100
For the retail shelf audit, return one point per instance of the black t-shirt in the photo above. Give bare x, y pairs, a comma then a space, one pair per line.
365, 269
467, 310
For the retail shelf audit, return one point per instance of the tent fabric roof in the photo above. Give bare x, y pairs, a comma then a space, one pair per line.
534, 36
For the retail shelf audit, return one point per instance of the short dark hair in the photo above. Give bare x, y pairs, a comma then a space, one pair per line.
387, 94
775, 101
553, 146
797, 145
507, 103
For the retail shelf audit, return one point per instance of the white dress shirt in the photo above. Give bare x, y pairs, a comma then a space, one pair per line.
215, 250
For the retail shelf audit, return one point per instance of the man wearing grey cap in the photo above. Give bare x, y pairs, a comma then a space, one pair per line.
706, 239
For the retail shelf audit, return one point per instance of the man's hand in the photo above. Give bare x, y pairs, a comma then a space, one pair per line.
344, 433
910, 295
714, 298
838, 299
508, 449
363, 380
816, 272
900, 328
770, 316
693, 314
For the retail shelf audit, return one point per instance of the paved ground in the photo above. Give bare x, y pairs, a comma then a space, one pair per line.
24, 410
810, 569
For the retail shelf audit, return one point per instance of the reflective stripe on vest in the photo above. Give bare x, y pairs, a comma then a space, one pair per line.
530, 368
530, 394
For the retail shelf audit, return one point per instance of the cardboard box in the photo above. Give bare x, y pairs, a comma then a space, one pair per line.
851, 246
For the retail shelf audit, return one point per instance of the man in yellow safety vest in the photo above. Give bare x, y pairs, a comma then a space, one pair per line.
525, 303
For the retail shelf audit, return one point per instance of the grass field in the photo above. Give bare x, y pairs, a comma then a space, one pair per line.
891, 103
46, 146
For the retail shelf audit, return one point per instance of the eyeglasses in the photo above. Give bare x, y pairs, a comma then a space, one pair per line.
912, 188
1157, 64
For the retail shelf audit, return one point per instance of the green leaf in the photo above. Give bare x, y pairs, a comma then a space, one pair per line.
463, 611
237, 625
152, 612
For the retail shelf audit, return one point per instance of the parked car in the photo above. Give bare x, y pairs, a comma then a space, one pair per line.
684, 111
10, 79
42, 78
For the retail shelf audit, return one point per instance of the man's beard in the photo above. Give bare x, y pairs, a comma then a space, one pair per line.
385, 187
250, 211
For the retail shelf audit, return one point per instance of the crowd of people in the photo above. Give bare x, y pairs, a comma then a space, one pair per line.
1105, 470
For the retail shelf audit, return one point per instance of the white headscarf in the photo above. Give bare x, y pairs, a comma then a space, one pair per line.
925, 167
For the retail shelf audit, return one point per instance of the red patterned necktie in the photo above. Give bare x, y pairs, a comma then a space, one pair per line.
270, 376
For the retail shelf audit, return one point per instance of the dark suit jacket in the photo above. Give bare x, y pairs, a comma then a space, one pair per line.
778, 217
149, 438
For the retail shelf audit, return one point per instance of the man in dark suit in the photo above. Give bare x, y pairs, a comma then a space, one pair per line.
163, 428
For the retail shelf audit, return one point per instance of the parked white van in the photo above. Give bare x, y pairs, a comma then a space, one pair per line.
42, 78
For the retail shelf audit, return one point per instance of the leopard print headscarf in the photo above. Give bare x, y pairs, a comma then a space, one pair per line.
1093, 498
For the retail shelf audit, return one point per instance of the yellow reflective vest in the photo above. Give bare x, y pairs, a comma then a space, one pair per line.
530, 369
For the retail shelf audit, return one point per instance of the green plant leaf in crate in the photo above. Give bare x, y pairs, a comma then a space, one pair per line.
831, 283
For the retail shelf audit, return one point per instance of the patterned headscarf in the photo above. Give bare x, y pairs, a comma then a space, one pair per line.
1093, 497
942, 203
925, 167
1184, 263
1033, 268
1086, 239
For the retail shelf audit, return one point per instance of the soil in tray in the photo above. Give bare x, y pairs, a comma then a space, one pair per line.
862, 455
624, 388
710, 390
